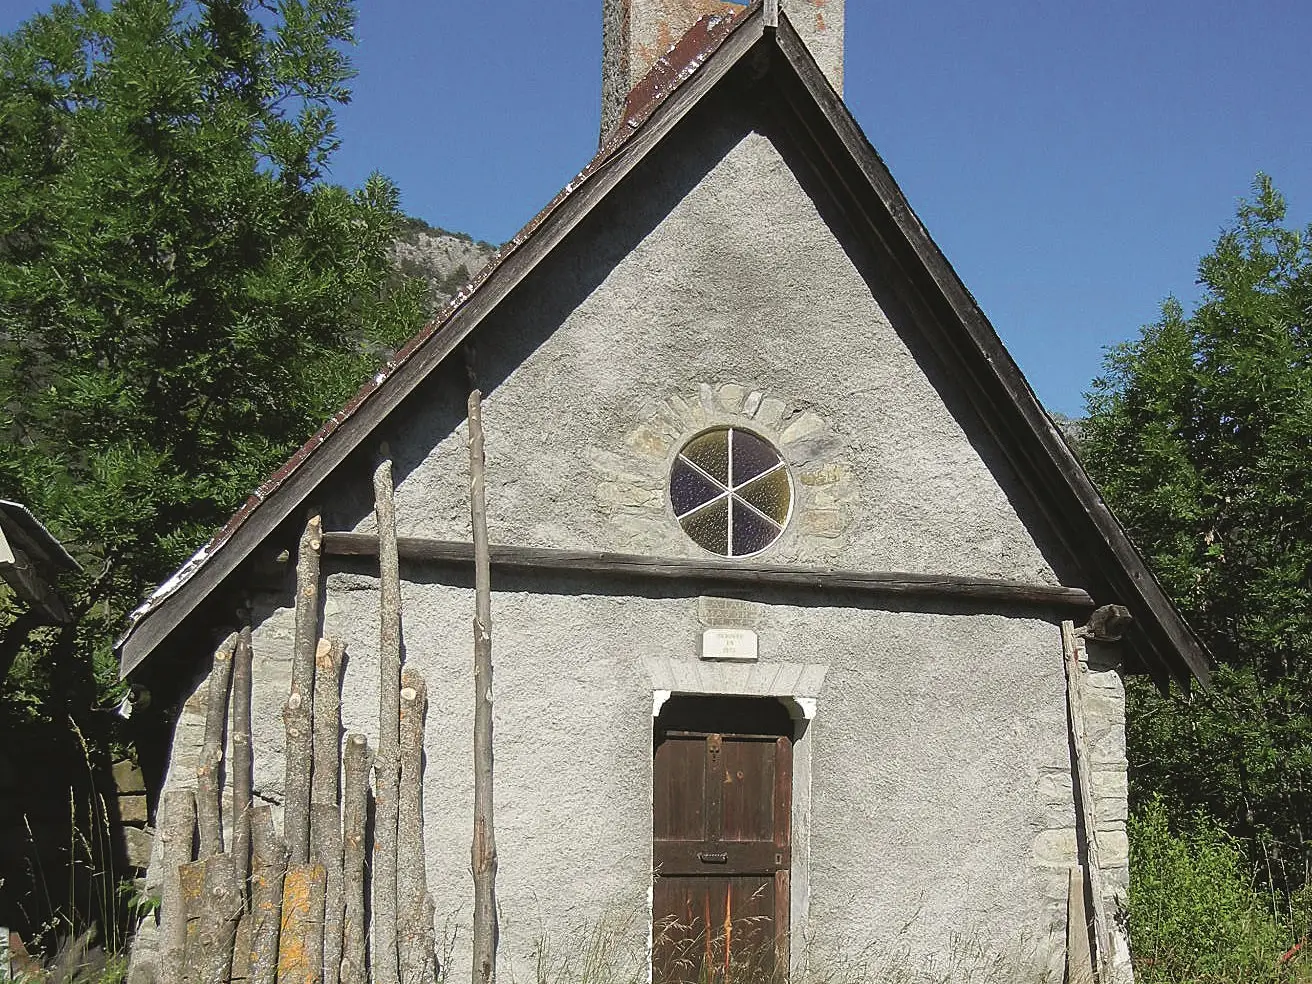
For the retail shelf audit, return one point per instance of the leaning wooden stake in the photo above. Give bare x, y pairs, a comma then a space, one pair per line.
483, 851
209, 779
297, 713
268, 869
325, 816
241, 757
387, 764
415, 921
355, 810
1088, 820
300, 940
177, 833
1079, 958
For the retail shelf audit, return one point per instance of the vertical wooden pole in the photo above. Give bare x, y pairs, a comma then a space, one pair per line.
209, 785
483, 850
415, 921
177, 832
192, 878
325, 815
242, 780
300, 939
355, 808
327, 721
268, 869
1087, 817
241, 757
1079, 958
220, 909
297, 713
387, 763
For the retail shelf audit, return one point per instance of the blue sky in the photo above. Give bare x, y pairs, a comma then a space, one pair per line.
1072, 160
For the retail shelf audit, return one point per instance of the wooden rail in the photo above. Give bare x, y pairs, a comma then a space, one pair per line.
882, 584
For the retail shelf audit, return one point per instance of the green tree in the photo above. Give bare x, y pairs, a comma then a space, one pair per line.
183, 297
1200, 434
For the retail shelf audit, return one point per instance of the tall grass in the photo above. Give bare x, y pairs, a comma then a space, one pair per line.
1197, 911
85, 936
614, 951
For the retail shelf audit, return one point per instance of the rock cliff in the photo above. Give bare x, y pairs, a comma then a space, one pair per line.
445, 260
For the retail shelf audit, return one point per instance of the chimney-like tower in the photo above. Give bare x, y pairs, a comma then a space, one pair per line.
635, 33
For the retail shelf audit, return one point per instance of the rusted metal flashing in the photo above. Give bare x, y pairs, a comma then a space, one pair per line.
671, 70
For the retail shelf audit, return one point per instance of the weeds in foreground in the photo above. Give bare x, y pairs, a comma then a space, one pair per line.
93, 911
615, 951
609, 951
1197, 913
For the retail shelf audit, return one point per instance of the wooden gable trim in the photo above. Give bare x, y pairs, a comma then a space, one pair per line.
940, 303
1003, 401
573, 207
823, 580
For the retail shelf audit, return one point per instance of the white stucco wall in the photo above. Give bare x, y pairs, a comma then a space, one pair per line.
712, 289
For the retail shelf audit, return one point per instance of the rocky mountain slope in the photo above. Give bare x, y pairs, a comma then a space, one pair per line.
446, 260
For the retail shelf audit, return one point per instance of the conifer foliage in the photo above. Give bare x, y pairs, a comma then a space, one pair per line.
1200, 434
184, 297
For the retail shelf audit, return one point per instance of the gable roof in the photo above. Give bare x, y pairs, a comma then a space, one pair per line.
925, 283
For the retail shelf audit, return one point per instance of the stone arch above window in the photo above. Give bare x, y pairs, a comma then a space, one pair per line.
731, 491
633, 476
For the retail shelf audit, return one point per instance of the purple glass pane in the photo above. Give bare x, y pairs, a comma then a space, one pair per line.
751, 533
689, 488
751, 456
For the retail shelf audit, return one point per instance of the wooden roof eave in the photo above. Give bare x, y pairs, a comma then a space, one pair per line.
574, 205
1003, 399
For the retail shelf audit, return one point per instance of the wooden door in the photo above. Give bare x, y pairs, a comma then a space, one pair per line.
722, 852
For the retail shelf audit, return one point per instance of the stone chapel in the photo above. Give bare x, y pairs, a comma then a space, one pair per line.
809, 630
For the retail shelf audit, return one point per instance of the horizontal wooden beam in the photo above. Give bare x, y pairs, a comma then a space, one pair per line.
875, 583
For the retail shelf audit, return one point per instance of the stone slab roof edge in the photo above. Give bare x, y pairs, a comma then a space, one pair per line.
31, 535
702, 56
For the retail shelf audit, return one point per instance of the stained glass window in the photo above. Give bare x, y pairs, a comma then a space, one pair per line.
731, 491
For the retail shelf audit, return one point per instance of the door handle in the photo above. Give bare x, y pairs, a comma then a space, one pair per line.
705, 858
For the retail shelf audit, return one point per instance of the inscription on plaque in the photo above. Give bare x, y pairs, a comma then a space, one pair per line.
729, 643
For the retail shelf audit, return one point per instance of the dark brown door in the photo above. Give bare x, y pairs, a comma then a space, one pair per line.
722, 853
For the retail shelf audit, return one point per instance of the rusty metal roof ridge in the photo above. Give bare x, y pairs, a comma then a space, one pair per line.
669, 72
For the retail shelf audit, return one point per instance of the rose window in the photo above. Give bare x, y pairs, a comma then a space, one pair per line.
731, 491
